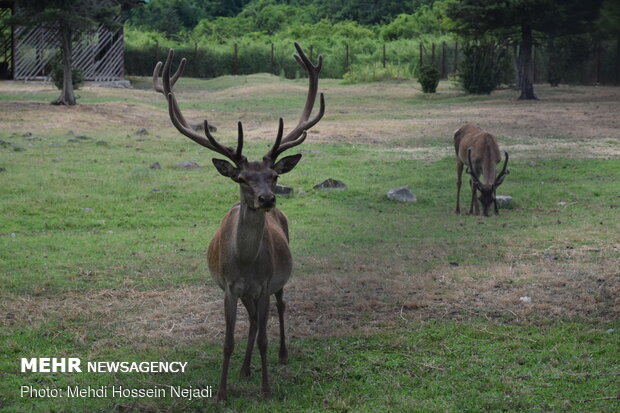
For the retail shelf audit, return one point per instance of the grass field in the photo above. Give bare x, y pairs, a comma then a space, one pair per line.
392, 307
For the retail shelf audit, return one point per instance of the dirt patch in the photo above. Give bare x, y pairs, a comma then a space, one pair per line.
339, 303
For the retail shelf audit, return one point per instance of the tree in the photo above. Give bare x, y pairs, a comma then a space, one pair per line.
69, 19
523, 20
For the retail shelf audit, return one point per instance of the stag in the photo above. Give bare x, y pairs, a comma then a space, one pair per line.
249, 255
478, 149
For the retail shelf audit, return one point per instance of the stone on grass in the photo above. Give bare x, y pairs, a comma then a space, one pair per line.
155, 165
188, 165
401, 194
283, 190
503, 201
330, 183
201, 126
141, 131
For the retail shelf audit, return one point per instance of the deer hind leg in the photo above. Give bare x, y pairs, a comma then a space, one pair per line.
250, 305
459, 173
283, 355
263, 315
230, 314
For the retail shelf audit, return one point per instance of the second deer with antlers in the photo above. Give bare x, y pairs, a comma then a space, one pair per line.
478, 150
249, 256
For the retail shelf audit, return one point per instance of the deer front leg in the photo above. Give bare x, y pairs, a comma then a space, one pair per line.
283, 355
495, 203
474, 204
263, 315
459, 173
230, 314
250, 305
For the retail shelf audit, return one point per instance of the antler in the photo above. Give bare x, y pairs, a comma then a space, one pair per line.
503, 173
298, 134
472, 170
178, 119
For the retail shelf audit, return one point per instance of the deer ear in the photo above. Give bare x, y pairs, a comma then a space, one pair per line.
225, 168
286, 164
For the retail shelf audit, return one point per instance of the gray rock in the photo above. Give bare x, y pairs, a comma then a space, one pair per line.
283, 190
155, 190
70, 133
87, 209
27, 134
56, 160
201, 126
33, 138
562, 203
155, 165
188, 165
401, 194
503, 201
550, 256
5, 144
330, 183
141, 131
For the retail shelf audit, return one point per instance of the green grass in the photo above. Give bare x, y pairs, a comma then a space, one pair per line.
87, 216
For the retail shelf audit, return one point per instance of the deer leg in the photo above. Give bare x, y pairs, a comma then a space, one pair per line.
263, 315
250, 305
283, 355
495, 203
459, 173
230, 314
473, 198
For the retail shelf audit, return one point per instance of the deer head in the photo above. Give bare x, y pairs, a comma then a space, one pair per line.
487, 191
256, 179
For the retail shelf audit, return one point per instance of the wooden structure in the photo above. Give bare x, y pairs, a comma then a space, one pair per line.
26, 53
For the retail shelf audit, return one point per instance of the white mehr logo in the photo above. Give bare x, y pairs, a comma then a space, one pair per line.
50, 365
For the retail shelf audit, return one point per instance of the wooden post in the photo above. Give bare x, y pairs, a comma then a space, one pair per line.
421, 54
273, 60
234, 60
443, 60
456, 56
384, 56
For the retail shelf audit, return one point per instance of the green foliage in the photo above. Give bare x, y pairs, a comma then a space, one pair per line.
57, 71
483, 68
427, 19
363, 73
428, 77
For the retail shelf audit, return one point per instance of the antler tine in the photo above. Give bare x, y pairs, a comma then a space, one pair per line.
504, 171
177, 118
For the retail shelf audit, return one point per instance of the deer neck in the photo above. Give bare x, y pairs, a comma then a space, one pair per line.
249, 232
488, 167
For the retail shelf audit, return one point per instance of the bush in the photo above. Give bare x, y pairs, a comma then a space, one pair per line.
483, 68
428, 77
57, 72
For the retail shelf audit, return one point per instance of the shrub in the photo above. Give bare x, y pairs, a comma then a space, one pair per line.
483, 68
428, 77
57, 72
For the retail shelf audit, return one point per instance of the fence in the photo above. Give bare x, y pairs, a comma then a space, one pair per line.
599, 64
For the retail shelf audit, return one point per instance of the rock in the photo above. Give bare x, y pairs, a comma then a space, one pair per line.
201, 126
87, 209
2, 169
155, 165
283, 190
525, 299
82, 137
33, 138
561, 203
141, 131
401, 194
532, 163
188, 165
70, 133
27, 134
549, 256
330, 183
19, 149
56, 160
503, 201
155, 190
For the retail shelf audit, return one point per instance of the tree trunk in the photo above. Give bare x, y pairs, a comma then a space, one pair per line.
67, 96
527, 63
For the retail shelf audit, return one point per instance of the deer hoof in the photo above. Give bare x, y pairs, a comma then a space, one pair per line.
283, 358
244, 372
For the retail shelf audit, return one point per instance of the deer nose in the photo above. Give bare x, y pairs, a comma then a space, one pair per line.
267, 200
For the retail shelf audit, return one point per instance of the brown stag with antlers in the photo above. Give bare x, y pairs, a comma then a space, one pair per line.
478, 150
249, 256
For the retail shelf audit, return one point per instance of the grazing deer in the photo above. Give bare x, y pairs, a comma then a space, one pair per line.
479, 150
249, 256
